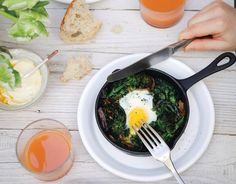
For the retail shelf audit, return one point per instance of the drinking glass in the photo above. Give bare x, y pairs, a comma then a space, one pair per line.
162, 13
44, 148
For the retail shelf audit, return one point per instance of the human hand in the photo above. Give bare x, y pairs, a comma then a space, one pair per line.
217, 20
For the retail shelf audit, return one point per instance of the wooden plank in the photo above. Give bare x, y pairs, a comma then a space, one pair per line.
216, 166
135, 33
8, 139
61, 99
136, 37
134, 4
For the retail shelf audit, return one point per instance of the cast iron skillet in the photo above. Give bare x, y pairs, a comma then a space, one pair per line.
181, 85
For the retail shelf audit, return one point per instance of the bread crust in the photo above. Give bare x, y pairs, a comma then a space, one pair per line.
81, 34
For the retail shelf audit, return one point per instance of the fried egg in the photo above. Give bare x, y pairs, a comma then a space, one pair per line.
138, 107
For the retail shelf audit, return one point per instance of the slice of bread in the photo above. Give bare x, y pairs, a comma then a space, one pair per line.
77, 68
78, 24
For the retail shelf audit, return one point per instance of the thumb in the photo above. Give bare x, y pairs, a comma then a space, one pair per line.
184, 35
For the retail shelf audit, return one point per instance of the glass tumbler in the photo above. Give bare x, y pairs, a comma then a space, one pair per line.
44, 148
162, 13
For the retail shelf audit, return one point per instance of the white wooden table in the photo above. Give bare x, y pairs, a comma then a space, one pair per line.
217, 165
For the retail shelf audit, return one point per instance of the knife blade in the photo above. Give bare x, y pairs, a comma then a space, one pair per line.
148, 61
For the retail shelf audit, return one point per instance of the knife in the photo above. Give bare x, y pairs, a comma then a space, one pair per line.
148, 61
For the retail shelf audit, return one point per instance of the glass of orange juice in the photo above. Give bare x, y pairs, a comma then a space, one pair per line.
162, 13
44, 148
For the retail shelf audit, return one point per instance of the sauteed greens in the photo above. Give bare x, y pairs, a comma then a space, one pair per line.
167, 104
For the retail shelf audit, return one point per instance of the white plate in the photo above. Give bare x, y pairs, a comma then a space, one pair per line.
187, 151
69, 1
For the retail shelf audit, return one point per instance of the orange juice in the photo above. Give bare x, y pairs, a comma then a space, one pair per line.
46, 151
162, 13
44, 148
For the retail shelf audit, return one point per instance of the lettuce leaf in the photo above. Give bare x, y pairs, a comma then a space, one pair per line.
39, 16
17, 78
27, 29
28, 17
5, 52
19, 4
8, 75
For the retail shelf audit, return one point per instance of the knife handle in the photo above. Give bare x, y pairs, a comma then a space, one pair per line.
183, 43
180, 44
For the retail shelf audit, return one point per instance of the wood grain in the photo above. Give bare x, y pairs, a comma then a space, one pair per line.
136, 36
217, 165
61, 99
191, 5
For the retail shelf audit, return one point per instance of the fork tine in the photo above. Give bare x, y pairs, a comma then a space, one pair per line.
155, 133
151, 135
146, 136
143, 140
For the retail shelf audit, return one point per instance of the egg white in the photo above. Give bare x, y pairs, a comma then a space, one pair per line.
142, 99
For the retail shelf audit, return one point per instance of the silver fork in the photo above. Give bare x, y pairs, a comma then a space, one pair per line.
157, 147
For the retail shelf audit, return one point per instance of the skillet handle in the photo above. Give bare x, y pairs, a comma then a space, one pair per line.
212, 68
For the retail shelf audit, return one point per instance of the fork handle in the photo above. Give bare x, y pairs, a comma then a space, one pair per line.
169, 164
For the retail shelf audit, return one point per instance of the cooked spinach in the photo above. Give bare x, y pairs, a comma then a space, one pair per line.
167, 103
122, 87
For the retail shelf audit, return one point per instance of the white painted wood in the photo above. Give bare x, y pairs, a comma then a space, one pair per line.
60, 100
138, 33
136, 36
216, 166
55, 104
134, 4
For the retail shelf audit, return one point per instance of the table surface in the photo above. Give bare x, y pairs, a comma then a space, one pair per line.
217, 165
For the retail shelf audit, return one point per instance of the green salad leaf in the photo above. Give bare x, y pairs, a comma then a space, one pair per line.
35, 15
17, 78
5, 52
8, 75
28, 17
27, 29
19, 4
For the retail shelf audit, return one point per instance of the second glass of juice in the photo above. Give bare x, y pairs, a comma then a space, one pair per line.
162, 13
44, 148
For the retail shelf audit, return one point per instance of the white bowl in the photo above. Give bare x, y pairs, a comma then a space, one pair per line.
26, 54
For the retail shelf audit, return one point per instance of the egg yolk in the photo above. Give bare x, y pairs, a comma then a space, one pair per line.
137, 117
3, 99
